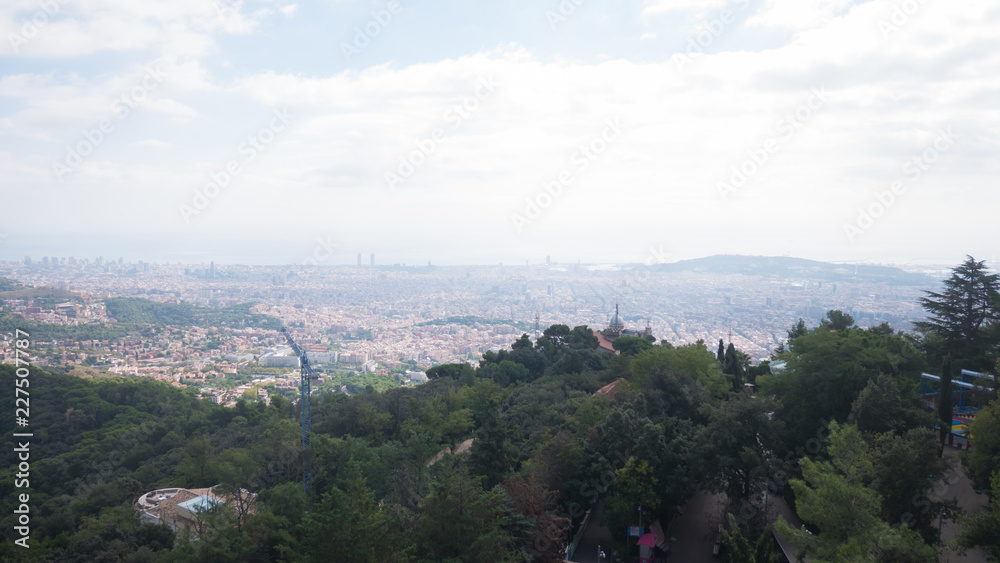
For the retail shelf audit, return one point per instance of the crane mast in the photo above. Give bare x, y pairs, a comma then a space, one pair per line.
305, 392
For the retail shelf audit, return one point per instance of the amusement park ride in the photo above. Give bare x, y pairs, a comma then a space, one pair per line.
964, 408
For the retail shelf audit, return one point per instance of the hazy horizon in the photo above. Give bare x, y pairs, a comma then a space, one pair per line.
474, 133
279, 255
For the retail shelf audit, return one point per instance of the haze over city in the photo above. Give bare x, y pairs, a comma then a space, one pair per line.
479, 133
531, 280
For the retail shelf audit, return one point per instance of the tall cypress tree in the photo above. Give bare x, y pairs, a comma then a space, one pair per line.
721, 354
733, 366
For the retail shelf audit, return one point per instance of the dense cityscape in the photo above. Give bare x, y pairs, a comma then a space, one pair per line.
396, 321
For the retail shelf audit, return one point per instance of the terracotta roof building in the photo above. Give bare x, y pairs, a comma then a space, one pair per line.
178, 508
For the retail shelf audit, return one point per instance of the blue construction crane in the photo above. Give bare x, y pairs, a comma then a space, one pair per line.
305, 393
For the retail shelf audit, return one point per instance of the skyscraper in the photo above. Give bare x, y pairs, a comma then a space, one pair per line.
372, 259
359, 259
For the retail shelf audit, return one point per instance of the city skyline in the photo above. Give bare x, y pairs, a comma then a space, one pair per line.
743, 298
653, 259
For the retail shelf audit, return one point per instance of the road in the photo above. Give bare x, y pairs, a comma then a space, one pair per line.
957, 485
595, 535
695, 529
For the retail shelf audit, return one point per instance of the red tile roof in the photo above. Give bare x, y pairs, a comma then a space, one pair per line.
604, 343
608, 389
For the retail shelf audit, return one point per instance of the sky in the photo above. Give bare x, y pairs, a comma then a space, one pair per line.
474, 132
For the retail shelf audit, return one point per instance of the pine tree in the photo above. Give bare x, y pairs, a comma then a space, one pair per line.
351, 525
837, 320
796, 331
960, 316
492, 455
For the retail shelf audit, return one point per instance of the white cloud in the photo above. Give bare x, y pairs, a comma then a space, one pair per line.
798, 14
152, 143
171, 107
55, 106
682, 133
655, 7
73, 30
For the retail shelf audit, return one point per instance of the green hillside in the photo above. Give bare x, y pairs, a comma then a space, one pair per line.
144, 311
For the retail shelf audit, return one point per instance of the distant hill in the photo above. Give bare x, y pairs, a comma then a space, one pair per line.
144, 311
785, 267
8, 284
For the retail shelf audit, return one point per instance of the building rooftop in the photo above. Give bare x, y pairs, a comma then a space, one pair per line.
201, 503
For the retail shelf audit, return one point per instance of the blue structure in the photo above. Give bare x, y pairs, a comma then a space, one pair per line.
963, 410
962, 389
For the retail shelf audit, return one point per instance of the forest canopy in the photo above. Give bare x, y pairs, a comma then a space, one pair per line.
501, 461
